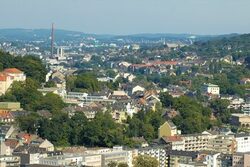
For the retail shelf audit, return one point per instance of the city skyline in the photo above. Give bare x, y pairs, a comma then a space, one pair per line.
129, 17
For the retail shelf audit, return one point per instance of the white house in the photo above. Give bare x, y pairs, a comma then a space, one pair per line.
137, 88
47, 145
211, 89
130, 109
62, 160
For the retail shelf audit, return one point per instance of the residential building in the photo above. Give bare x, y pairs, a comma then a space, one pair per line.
241, 160
119, 116
5, 82
156, 152
225, 160
6, 116
192, 164
243, 142
6, 130
212, 160
246, 108
17, 74
211, 89
8, 76
240, 120
12, 144
175, 158
29, 154
9, 161
92, 160
4, 149
137, 88
58, 91
197, 142
121, 156
62, 160
116, 154
236, 103
223, 144
119, 95
167, 129
175, 142
245, 81
12, 106
47, 145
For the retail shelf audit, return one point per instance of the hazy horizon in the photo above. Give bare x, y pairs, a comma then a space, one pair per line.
117, 17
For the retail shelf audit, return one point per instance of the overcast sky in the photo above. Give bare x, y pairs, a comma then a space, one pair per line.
129, 16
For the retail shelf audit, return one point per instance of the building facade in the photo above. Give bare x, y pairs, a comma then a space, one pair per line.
8, 76
243, 142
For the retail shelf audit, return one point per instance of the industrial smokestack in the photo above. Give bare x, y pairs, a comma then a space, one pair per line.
52, 40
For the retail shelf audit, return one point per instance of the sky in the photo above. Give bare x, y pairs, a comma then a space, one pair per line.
121, 17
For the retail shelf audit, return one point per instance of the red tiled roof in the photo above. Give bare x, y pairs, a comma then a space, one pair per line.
141, 65
3, 77
25, 136
164, 63
5, 114
12, 143
13, 71
172, 138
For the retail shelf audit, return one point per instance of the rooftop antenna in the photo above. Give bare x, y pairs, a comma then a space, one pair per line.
52, 40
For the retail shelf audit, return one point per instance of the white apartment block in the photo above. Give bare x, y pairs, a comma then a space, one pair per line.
243, 142
62, 160
117, 154
92, 160
156, 152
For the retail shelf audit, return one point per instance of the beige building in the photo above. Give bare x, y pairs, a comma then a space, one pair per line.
241, 120
17, 74
5, 82
175, 142
241, 160
47, 145
9, 161
12, 106
181, 158
8, 76
119, 116
223, 144
167, 129
197, 142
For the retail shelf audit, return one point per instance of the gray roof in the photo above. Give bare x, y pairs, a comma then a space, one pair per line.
5, 128
29, 149
242, 135
192, 154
